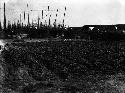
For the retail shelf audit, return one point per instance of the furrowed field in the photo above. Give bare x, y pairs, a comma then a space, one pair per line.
65, 66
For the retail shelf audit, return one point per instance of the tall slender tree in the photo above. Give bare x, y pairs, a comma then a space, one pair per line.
4, 17
0, 26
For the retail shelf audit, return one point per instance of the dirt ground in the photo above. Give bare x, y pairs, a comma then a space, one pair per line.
21, 81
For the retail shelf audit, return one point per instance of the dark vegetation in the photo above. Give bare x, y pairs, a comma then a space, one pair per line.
98, 32
101, 32
66, 61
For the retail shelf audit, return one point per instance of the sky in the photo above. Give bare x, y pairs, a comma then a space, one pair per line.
79, 12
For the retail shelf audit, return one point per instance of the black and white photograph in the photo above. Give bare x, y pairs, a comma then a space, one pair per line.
62, 46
